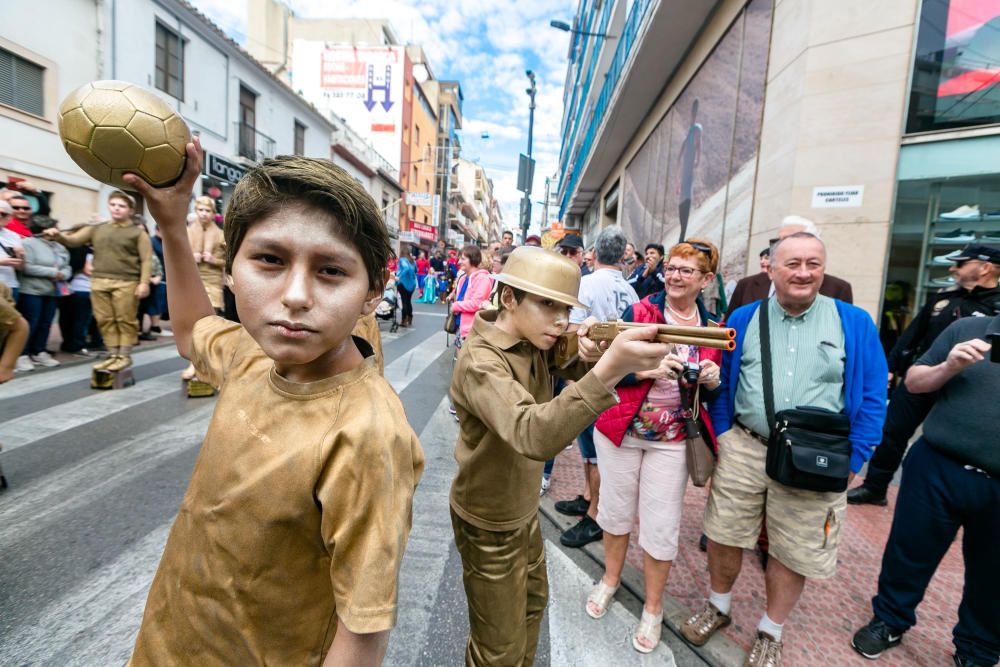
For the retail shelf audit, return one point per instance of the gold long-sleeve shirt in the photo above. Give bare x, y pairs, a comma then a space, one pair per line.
510, 424
122, 251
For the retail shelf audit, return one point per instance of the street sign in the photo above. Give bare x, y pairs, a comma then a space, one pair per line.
525, 173
418, 199
408, 237
424, 231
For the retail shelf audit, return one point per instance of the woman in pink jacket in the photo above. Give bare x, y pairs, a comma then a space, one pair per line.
472, 289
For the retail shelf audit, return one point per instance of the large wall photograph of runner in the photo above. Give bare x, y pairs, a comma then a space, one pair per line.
694, 175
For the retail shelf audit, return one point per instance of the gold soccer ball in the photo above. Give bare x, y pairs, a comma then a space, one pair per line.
113, 127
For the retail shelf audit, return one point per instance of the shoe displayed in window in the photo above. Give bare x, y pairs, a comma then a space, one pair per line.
946, 260
992, 215
963, 212
956, 236
944, 281
991, 237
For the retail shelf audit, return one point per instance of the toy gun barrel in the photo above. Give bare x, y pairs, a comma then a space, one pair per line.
722, 338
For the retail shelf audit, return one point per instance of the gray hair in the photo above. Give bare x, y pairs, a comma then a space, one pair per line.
796, 235
610, 245
807, 225
5, 207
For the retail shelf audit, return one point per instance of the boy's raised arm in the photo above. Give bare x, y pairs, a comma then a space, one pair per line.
169, 207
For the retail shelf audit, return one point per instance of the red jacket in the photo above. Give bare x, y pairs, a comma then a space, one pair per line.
614, 422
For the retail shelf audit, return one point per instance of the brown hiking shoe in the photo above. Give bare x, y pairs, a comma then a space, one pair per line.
699, 628
765, 652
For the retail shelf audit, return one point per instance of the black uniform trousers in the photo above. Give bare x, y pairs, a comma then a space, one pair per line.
937, 497
904, 414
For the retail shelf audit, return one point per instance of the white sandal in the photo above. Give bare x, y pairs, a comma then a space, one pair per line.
600, 598
650, 626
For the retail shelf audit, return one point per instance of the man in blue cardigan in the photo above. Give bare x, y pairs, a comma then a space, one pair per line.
824, 353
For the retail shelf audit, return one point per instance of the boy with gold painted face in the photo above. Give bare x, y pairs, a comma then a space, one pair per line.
287, 546
509, 426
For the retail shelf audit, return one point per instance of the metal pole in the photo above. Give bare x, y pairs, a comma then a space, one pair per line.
526, 214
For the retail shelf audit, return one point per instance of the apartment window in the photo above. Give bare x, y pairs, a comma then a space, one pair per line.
248, 123
169, 62
300, 138
415, 177
21, 83
416, 130
427, 186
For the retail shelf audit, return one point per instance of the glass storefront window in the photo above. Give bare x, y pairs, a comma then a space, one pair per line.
934, 218
956, 75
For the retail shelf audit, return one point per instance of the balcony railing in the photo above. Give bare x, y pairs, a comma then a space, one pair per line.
252, 144
625, 43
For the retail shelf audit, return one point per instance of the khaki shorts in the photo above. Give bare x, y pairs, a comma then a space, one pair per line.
803, 527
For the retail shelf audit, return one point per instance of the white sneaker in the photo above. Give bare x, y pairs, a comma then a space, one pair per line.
946, 281
962, 213
546, 483
23, 364
43, 358
946, 260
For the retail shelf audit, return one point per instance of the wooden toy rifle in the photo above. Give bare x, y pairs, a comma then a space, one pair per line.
723, 338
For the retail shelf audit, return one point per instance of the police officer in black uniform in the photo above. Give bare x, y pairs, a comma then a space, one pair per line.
951, 480
975, 294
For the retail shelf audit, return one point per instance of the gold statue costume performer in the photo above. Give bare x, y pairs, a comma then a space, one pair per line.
122, 266
209, 247
509, 425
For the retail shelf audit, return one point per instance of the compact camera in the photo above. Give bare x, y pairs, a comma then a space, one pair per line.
690, 373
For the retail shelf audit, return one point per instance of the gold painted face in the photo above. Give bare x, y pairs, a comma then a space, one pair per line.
536, 319
300, 288
119, 210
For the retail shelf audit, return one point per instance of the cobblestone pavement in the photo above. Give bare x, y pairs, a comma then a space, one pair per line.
819, 630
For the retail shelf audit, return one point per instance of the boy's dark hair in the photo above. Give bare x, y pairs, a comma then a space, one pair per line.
658, 247
318, 183
519, 294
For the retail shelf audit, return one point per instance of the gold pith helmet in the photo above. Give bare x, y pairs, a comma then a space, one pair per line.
543, 273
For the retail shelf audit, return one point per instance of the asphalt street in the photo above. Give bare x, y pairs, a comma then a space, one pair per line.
96, 479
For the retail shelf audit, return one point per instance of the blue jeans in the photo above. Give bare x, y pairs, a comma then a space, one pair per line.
937, 497
39, 311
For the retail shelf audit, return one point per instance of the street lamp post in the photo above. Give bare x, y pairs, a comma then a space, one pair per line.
526, 202
565, 27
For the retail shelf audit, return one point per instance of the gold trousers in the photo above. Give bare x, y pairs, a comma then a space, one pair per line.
115, 306
507, 588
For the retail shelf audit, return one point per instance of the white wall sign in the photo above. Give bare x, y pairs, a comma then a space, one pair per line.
361, 84
838, 196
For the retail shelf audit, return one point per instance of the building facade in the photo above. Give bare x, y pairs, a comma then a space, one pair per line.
719, 119
241, 112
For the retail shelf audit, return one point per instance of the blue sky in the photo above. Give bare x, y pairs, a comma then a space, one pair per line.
486, 45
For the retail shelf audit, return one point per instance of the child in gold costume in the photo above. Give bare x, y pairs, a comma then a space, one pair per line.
288, 543
13, 334
209, 249
122, 266
509, 426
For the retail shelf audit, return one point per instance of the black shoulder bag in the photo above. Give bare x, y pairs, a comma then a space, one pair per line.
809, 447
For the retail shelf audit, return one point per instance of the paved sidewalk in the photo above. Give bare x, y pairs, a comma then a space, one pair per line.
820, 629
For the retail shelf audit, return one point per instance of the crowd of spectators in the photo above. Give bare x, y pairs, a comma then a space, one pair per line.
44, 280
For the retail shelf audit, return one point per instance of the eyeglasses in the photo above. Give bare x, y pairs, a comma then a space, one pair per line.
685, 271
21, 208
